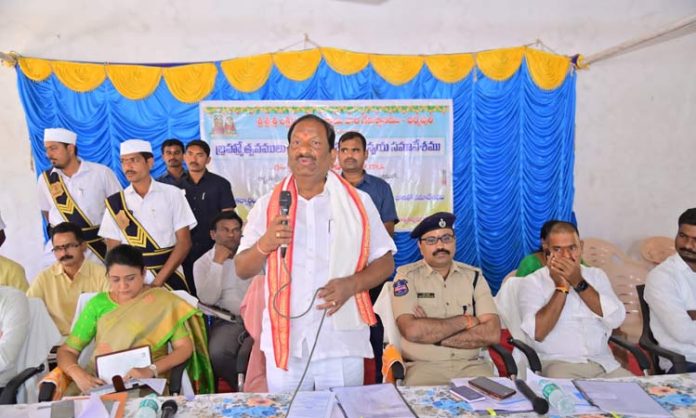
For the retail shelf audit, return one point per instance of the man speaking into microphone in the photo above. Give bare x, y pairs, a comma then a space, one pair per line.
337, 249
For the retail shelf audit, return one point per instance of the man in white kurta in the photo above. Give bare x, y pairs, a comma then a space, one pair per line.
217, 284
569, 311
88, 183
340, 348
160, 208
670, 291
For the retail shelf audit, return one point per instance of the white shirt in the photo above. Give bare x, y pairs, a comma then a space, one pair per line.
14, 323
670, 290
310, 270
579, 335
89, 187
2, 224
163, 211
218, 284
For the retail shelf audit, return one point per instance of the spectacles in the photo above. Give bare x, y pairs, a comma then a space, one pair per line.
446, 239
65, 247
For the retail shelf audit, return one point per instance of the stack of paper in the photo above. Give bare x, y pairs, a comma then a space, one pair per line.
312, 404
373, 401
624, 398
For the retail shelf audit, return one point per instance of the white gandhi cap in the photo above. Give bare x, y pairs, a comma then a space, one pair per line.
60, 135
131, 146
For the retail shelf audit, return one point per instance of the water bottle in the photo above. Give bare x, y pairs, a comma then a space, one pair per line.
148, 407
558, 400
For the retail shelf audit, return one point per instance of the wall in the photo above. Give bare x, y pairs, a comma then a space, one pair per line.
636, 113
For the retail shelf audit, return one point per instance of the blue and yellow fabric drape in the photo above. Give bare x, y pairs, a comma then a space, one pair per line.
514, 112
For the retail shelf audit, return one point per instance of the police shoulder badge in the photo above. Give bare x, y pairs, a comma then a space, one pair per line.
400, 287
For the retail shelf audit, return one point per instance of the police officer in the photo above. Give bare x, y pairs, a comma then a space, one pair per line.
444, 309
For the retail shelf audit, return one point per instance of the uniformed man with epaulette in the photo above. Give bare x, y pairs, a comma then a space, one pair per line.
444, 309
74, 190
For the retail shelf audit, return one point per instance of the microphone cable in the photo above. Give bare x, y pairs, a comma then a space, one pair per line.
316, 337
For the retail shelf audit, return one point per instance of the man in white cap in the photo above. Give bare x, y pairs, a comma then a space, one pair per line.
152, 216
74, 190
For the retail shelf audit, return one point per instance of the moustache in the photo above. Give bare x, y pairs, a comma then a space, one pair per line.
350, 160
66, 257
306, 156
684, 250
130, 172
441, 250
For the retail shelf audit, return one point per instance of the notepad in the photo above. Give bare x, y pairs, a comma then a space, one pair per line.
119, 362
373, 401
624, 398
312, 404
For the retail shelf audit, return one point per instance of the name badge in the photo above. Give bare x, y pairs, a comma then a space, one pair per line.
426, 295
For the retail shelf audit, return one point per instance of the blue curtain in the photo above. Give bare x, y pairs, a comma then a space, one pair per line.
513, 144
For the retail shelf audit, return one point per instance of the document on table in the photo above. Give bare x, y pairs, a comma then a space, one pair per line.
515, 403
373, 401
624, 398
312, 404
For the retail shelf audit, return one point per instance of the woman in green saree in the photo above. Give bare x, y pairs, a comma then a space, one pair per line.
131, 315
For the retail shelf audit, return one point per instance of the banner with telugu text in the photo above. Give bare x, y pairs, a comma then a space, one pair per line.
409, 144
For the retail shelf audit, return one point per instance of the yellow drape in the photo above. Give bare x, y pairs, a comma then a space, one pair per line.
397, 69
548, 70
450, 68
134, 81
248, 74
80, 77
191, 83
35, 69
345, 62
298, 66
500, 64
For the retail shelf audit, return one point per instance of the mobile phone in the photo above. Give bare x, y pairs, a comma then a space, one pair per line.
492, 388
466, 393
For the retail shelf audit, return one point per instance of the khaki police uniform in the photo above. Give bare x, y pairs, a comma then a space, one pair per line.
418, 284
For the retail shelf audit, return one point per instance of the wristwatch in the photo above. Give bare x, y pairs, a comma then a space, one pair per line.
582, 286
153, 367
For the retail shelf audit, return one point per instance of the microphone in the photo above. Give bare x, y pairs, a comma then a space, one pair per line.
117, 381
169, 408
285, 201
540, 405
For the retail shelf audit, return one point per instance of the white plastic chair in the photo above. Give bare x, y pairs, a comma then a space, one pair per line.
600, 253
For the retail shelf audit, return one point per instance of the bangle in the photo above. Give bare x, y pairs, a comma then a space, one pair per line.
562, 289
153, 368
258, 248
